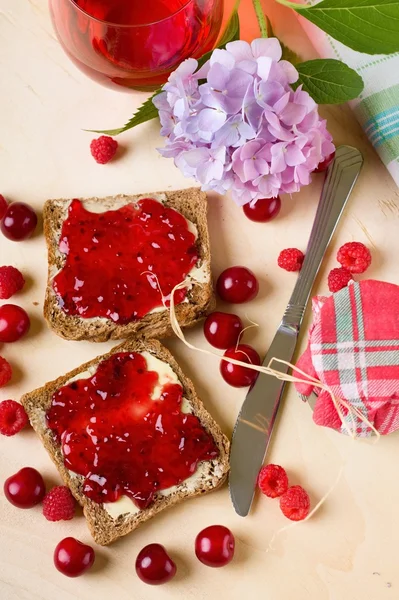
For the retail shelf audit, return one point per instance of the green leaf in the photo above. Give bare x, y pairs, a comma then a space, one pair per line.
231, 31
370, 26
145, 112
270, 32
329, 81
289, 55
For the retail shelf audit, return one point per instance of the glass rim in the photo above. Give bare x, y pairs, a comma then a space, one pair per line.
121, 25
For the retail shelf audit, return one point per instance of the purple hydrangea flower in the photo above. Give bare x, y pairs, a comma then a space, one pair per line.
237, 124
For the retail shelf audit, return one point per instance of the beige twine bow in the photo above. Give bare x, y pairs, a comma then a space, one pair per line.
338, 402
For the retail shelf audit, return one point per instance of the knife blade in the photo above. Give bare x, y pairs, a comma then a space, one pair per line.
255, 422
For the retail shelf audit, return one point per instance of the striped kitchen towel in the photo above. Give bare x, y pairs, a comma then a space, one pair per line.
377, 108
353, 348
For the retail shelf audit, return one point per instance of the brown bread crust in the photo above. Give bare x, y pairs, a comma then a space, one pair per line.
103, 527
192, 203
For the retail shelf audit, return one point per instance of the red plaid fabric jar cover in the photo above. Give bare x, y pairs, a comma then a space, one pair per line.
354, 349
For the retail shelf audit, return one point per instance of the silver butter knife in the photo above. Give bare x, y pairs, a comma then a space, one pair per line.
255, 422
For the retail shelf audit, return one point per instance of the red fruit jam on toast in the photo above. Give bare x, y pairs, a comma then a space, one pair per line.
122, 264
126, 431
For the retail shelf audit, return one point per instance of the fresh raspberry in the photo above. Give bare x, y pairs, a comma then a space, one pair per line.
3, 206
103, 149
272, 481
13, 417
5, 371
291, 259
338, 279
11, 282
59, 504
354, 256
295, 503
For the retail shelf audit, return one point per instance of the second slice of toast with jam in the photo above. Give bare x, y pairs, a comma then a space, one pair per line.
114, 261
129, 436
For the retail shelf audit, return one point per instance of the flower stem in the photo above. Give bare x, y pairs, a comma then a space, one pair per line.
260, 15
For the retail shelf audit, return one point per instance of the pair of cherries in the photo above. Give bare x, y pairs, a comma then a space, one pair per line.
235, 285
214, 547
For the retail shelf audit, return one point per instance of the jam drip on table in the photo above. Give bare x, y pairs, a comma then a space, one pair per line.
117, 262
121, 440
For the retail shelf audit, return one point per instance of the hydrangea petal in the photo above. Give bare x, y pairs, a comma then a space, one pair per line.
207, 96
246, 131
293, 156
240, 50
195, 156
250, 66
290, 71
209, 170
267, 47
250, 148
250, 171
280, 133
251, 110
302, 175
180, 108
203, 71
268, 93
308, 122
210, 119
222, 57
293, 113
233, 133
161, 102
187, 67
278, 160
281, 103
264, 66
218, 76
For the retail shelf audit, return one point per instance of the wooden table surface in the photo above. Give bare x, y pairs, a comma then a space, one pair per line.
350, 548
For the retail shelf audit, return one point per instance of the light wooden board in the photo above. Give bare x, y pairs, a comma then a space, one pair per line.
349, 550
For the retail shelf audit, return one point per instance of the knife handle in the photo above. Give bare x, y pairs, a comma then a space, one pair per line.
340, 179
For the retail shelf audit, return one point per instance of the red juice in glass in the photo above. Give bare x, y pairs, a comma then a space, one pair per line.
135, 44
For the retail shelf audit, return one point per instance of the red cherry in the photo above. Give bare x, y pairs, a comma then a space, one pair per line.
262, 210
14, 323
154, 566
236, 375
214, 546
323, 166
72, 558
19, 221
237, 285
222, 330
25, 489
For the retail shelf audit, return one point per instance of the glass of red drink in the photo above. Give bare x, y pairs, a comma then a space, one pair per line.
135, 43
